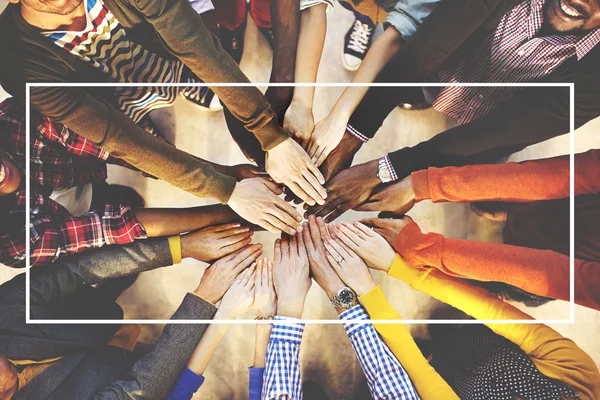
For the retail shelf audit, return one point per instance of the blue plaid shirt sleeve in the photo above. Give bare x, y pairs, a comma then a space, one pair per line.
385, 376
282, 373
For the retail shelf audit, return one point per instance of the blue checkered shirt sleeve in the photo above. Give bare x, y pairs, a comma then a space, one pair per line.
282, 373
385, 376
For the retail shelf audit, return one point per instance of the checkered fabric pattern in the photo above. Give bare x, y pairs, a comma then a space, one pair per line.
513, 53
385, 376
59, 159
282, 373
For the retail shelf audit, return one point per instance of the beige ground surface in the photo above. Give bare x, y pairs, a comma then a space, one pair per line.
326, 353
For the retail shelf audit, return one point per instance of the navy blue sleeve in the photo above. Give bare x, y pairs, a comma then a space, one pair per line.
187, 384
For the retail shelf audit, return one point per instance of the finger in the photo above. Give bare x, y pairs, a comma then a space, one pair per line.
270, 227
316, 173
323, 156
310, 190
294, 246
278, 223
322, 226
312, 149
232, 248
241, 278
270, 272
363, 228
273, 187
332, 250
372, 222
306, 236
348, 242
285, 248
245, 253
345, 230
264, 273
340, 248
248, 274
226, 241
248, 261
342, 208
290, 211
301, 246
333, 262
328, 207
314, 182
231, 231
300, 193
259, 268
277, 251
225, 227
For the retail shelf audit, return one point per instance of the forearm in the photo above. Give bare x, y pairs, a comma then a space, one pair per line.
285, 17
173, 221
207, 346
429, 384
313, 26
382, 50
263, 332
543, 179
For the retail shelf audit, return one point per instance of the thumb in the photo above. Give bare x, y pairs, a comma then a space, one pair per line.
374, 222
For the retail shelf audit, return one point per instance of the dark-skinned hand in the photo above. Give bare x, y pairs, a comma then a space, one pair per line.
389, 228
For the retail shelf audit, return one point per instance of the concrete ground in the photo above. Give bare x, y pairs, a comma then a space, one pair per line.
326, 357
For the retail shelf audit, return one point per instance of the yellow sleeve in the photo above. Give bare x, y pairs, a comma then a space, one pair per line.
554, 355
175, 247
428, 383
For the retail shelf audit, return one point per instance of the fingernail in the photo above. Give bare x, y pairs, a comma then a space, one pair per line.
299, 228
292, 232
305, 224
321, 202
237, 225
299, 218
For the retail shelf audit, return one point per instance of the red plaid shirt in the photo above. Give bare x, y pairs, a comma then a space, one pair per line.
512, 54
59, 159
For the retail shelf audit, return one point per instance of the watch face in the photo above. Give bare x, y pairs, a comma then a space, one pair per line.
346, 297
384, 174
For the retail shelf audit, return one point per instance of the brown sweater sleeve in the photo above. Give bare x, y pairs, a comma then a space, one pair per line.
542, 272
544, 179
184, 35
111, 129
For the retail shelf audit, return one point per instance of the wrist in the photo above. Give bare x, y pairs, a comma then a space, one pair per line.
224, 313
301, 101
366, 287
207, 295
371, 170
290, 308
340, 115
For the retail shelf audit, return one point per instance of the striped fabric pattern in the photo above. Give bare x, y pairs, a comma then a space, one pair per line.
386, 378
282, 373
513, 53
104, 44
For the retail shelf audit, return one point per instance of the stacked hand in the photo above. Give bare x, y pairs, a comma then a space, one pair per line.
257, 201
389, 228
245, 171
219, 277
239, 297
264, 290
397, 198
368, 244
291, 275
288, 164
299, 122
214, 242
326, 136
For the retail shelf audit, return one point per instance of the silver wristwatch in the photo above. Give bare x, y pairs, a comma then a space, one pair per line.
383, 172
344, 298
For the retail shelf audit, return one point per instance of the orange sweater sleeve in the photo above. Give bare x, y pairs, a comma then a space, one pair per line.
542, 272
544, 179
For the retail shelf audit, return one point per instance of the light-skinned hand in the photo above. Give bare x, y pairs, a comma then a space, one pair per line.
397, 198
349, 267
389, 228
367, 243
315, 231
214, 242
291, 275
239, 297
219, 277
264, 290
299, 122
257, 201
325, 137
288, 164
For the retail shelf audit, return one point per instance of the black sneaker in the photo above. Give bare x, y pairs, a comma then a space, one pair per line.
233, 41
356, 44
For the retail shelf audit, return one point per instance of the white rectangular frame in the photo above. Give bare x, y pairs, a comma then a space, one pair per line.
571, 320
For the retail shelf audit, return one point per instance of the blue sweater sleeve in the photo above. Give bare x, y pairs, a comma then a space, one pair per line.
255, 383
187, 384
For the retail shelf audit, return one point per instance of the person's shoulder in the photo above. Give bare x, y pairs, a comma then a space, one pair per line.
8, 26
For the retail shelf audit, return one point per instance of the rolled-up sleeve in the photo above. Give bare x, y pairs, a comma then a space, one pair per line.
407, 15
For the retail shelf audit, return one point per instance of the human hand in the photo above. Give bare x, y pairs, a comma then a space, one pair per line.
299, 122
389, 228
239, 297
326, 136
256, 200
365, 242
218, 278
214, 242
291, 275
397, 198
288, 164
341, 157
245, 171
314, 232
264, 291
349, 266
347, 190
